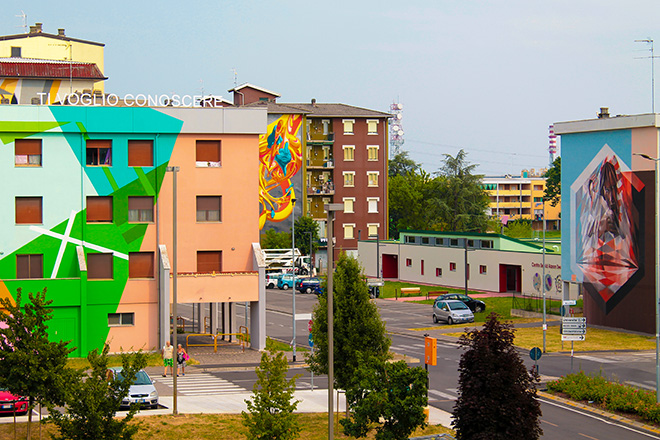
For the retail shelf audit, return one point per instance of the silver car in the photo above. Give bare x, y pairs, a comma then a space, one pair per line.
452, 311
142, 392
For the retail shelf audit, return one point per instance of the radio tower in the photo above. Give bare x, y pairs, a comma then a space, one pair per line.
396, 128
552, 146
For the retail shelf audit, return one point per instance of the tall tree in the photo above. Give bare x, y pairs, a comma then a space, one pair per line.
497, 397
387, 396
358, 327
402, 165
413, 202
271, 239
552, 191
463, 202
271, 411
304, 227
94, 398
30, 364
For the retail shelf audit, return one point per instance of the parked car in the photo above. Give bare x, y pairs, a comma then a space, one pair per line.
142, 392
285, 281
271, 279
474, 304
10, 403
451, 311
308, 285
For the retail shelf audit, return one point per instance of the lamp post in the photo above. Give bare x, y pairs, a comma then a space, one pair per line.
331, 208
657, 267
293, 273
174, 171
545, 325
311, 249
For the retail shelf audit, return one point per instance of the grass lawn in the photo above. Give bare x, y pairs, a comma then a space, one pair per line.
114, 360
209, 427
388, 291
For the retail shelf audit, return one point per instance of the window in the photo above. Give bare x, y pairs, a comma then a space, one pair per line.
99, 209
438, 271
538, 187
349, 152
27, 152
141, 265
349, 178
15, 52
99, 266
439, 241
116, 319
372, 228
410, 239
408, 262
538, 199
421, 267
470, 243
99, 152
326, 123
348, 125
29, 266
208, 208
372, 126
209, 261
140, 209
426, 240
482, 270
349, 231
372, 178
140, 153
372, 205
372, 152
453, 242
452, 267
349, 203
486, 244
208, 153
28, 210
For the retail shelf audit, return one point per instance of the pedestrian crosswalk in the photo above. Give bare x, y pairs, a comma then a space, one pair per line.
450, 394
201, 384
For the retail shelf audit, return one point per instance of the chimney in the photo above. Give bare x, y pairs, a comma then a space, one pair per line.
313, 102
60, 32
604, 113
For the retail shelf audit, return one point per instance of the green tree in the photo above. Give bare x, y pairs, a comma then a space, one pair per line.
271, 410
388, 397
413, 202
304, 226
358, 327
402, 165
271, 239
552, 191
94, 398
463, 202
30, 364
497, 397
519, 228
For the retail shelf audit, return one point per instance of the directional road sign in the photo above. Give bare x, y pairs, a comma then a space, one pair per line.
572, 319
573, 337
574, 331
569, 302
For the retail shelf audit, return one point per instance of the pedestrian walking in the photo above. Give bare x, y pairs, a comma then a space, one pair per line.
181, 358
168, 358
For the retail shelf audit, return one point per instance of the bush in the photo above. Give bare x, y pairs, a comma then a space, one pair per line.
612, 396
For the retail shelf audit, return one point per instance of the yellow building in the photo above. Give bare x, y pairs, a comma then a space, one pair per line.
44, 46
513, 198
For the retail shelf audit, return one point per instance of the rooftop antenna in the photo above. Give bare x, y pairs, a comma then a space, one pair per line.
396, 127
653, 57
23, 16
235, 77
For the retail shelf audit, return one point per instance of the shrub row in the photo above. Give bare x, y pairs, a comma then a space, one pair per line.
612, 396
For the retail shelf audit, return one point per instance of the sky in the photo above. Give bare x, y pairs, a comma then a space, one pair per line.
484, 76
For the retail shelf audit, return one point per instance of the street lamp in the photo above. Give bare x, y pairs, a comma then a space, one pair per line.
293, 272
545, 324
331, 208
175, 171
657, 267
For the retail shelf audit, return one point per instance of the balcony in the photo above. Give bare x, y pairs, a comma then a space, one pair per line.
326, 189
320, 164
317, 138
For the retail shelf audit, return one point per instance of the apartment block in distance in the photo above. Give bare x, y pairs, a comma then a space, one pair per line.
321, 153
513, 198
89, 213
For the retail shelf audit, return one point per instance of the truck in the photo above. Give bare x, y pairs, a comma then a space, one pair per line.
279, 260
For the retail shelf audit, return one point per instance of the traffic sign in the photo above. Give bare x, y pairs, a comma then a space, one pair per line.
535, 353
570, 302
574, 331
309, 327
572, 319
573, 337
311, 340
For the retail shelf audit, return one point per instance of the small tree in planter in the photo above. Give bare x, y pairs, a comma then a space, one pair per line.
497, 396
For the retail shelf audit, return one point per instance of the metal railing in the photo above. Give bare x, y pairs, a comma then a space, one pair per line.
242, 339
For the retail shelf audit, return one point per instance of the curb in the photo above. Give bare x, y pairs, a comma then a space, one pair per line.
600, 412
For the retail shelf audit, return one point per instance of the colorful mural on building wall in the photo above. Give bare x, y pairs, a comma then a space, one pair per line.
280, 156
21, 91
63, 181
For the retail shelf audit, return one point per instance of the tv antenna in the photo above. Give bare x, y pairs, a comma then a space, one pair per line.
23, 16
653, 57
235, 77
